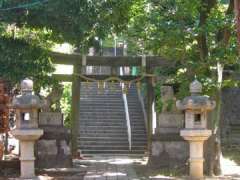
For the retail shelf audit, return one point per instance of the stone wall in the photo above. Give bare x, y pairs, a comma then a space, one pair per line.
230, 117
169, 150
53, 148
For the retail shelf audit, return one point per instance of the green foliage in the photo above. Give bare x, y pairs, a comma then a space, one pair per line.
170, 103
19, 60
77, 21
66, 104
171, 29
28, 32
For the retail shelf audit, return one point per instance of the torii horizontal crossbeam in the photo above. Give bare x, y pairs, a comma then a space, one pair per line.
69, 78
111, 61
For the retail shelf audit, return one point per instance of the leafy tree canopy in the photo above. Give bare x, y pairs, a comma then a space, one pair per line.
28, 29
197, 34
77, 21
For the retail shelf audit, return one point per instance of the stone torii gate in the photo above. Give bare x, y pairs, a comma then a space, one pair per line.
147, 64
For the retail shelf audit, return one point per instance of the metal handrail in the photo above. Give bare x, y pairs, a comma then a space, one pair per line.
127, 118
129, 130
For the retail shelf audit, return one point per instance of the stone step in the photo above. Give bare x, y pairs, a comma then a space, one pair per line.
112, 152
88, 131
112, 143
102, 109
106, 105
103, 123
107, 138
103, 126
102, 119
111, 135
113, 113
104, 135
108, 120
116, 96
133, 128
85, 147
101, 114
102, 91
98, 99
99, 119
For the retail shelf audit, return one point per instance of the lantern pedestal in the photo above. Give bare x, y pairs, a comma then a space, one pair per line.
27, 138
196, 139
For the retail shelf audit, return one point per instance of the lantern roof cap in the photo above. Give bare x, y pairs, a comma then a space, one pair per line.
27, 85
27, 100
196, 101
195, 87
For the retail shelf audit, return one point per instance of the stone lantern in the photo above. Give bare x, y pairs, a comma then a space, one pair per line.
27, 131
196, 108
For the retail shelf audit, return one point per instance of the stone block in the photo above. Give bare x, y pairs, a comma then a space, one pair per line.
169, 154
47, 147
170, 122
175, 149
50, 118
53, 148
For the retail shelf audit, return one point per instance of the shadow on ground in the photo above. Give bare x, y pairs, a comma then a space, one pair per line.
146, 172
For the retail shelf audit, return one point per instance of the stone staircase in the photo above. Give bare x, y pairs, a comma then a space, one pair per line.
103, 128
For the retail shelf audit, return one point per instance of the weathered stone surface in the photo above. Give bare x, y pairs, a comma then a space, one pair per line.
175, 149
167, 94
170, 122
57, 138
51, 118
169, 154
47, 147
53, 154
230, 113
55, 132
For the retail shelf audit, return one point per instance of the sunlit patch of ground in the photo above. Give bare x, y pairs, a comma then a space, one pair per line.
230, 167
230, 163
134, 168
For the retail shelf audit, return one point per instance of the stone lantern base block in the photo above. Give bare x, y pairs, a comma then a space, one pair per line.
196, 140
27, 139
196, 168
169, 151
27, 169
53, 149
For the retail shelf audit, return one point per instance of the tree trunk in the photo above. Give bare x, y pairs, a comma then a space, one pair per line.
204, 11
223, 40
237, 16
